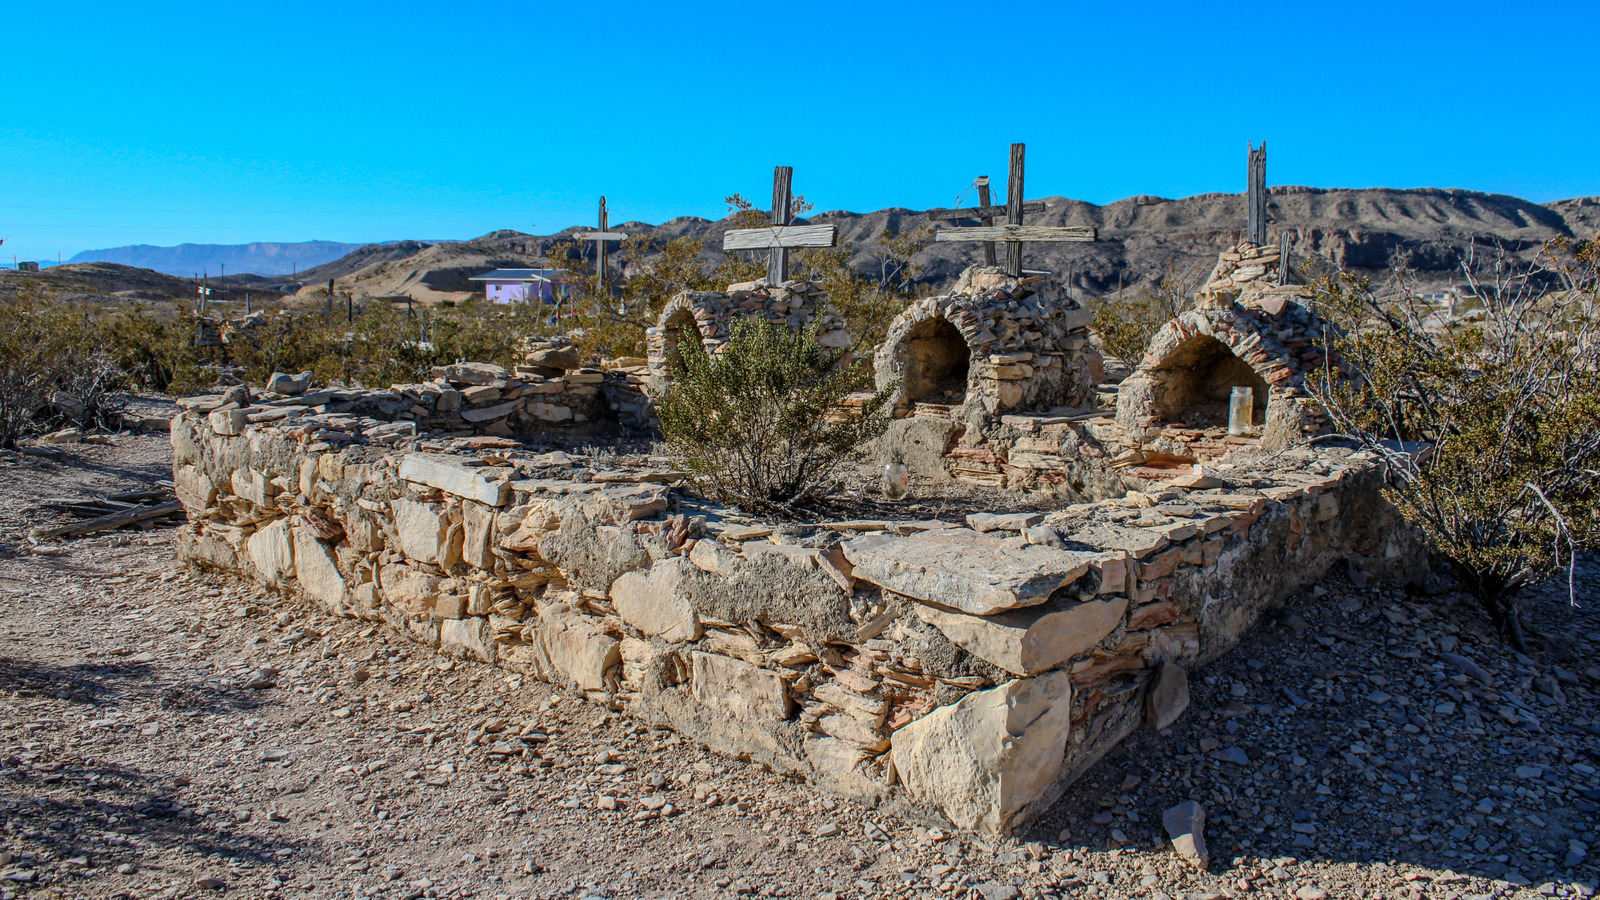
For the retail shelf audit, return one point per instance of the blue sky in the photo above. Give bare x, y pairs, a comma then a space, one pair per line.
224, 123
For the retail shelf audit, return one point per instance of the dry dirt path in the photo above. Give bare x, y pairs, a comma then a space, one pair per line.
164, 734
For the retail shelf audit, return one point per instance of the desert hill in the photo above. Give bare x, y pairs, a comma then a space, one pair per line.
1140, 237
185, 260
104, 282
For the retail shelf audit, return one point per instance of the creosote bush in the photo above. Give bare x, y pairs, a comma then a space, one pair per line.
758, 425
53, 372
1490, 426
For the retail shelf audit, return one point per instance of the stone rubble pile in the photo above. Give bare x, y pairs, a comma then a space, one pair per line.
979, 666
463, 400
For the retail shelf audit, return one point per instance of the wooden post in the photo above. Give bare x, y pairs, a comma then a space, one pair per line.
782, 215
983, 200
600, 238
1013, 233
600, 246
1283, 258
1014, 210
1256, 196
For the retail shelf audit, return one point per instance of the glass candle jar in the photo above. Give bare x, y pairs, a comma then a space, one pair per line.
1241, 406
896, 481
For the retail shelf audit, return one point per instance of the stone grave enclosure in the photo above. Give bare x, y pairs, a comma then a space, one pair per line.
973, 668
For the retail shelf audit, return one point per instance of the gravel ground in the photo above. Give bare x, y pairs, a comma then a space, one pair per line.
170, 735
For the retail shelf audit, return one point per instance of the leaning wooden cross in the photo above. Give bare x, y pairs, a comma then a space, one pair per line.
601, 238
780, 237
1013, 233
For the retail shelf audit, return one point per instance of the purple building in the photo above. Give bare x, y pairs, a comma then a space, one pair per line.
524, 285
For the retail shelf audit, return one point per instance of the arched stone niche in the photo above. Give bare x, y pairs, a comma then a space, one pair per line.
994, 344
1177, 399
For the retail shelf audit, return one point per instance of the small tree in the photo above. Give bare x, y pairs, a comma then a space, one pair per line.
759, 425
1507, 402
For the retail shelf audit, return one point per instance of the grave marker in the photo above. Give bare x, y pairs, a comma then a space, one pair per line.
780, 237
1013, 234
601, 238
1256, 196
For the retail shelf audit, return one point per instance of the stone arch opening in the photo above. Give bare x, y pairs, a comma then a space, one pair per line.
938, 362
1200, 375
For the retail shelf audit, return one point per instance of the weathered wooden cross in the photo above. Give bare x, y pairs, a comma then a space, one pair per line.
780, 237
1013, 233
1256, 196
601, 238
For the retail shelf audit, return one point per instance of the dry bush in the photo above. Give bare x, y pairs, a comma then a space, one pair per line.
752, 423
1126, 326
53, 371
1508, 404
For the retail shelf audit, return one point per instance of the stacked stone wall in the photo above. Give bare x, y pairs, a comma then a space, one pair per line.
974, 668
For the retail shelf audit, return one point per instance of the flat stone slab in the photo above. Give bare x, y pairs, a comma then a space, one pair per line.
1033, 640
966, 570
444, 473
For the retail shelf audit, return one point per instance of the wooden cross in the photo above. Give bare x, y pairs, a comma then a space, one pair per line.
1256, 196
601, 238
1013, 233
780, 237
984, 213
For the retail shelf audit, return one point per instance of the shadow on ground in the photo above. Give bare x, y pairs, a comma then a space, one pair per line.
98, 683
1361, 742
83, 820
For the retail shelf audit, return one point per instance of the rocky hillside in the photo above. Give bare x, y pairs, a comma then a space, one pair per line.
111, 283
1140, 237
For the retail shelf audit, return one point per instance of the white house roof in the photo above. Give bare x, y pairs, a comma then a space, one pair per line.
519, 275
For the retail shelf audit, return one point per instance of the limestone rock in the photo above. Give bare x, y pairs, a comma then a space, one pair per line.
477, 525
425, 533
556, 357
1033, 640
1186, 825
193, 488
284, 383
652, 603
987, 522
470, 637
966, 570
272, 552
450, 476
227, 422
318, 573
1168, 696
747, 691
983, 760
576, 646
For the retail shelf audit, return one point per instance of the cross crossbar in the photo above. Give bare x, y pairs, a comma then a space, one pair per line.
1016, 234
1013, 233
776, 237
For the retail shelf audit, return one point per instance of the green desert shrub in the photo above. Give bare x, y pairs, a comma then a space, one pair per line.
1490, 427
759, 425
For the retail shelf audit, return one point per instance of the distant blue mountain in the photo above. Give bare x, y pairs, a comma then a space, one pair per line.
260, 258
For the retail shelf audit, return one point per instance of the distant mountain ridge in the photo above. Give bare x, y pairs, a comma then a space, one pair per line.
1140, 238
260, 258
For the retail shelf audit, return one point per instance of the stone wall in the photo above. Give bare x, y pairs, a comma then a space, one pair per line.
712, 314
974, 668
